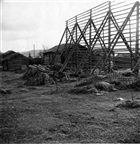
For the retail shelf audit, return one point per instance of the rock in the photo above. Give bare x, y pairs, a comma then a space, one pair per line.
37, 75
101, 76
48, 138
93, 89
33, 69
99, 94
114, 89
102, 85
118, 99
129, 104
73, 79
41, 68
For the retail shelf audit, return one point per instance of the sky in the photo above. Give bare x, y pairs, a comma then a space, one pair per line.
28, 22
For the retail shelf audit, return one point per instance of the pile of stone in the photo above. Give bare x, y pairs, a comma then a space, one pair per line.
83, 90
92, 85
37, 75
129, 104
105, 86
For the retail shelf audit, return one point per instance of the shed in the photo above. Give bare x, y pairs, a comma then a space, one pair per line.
14, 61
49, 54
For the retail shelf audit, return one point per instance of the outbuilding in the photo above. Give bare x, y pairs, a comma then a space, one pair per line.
14, 61
62, 52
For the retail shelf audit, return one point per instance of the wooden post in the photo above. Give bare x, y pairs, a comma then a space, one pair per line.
66, 30
130, 42
76, 41
90, 31
137, 35
66, 51
109, 35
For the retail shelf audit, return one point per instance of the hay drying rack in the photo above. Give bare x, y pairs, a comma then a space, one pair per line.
112, 27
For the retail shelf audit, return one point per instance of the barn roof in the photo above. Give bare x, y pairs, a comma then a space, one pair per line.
98, 51
62, 46
4, 55
54, 49
13, 55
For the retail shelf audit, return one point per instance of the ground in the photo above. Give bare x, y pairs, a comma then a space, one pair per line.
44, 114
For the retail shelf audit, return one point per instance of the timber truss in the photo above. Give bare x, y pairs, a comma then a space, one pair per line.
111, 27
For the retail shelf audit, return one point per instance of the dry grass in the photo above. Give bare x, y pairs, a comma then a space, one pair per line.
34, 115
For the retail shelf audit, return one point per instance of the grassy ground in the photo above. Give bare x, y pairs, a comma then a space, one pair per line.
45, 114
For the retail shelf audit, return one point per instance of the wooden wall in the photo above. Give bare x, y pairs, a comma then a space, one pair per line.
15, 63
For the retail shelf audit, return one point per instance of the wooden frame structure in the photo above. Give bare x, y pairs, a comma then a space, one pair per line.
112, 27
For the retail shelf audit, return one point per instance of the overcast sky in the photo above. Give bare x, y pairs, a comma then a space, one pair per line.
24, 23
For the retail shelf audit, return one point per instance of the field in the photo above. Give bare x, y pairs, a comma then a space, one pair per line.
49, 114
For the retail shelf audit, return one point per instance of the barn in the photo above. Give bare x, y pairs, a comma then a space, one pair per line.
13, 61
